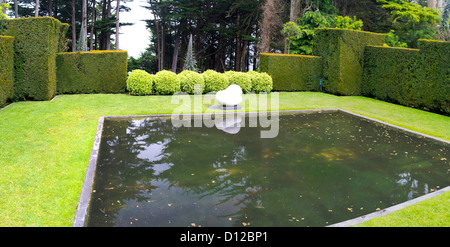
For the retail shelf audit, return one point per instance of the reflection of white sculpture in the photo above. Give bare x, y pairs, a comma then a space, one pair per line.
231, 96
230, 124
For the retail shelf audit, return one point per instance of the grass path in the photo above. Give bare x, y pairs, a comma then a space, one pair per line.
45, 148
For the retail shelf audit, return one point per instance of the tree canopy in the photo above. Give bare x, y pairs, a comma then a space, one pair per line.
100, 20
412, 21
230, 35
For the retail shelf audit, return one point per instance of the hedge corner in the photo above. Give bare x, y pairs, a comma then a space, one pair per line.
6, 69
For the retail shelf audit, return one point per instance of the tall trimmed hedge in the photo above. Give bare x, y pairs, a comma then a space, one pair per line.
419, 78
36, 42
92, 72
435, 56
6, 68
342, 51
386, 71
291, 72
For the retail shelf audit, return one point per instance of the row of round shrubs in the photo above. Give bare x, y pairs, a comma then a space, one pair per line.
140, 82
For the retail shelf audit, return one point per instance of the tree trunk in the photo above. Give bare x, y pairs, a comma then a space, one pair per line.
102, 35
84, 25
36, 9
255, 55
105, 33
286, 50
220, 56
183, 49
270, 23
117, 24
50, 8
16, 9
175, 53
237, 65
108, 33
432, 4
295, 10
74, 28
162, 46
158, 44
91, 45
244, 59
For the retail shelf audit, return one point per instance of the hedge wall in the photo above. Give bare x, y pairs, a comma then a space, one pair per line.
435, 56
292, 72
6, 68
419, 78
36, 42
92, 72
342, 51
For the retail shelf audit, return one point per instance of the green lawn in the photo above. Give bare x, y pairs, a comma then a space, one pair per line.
45, 149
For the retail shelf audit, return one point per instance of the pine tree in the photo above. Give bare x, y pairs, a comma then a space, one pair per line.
444, 29
190, 63
82, 43
446, 15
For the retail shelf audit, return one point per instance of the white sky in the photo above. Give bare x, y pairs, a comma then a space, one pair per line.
134, 38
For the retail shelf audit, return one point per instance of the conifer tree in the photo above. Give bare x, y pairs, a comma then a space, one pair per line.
190, 63
81, 44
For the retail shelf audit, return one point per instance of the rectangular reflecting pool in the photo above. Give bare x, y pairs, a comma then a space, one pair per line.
322, 168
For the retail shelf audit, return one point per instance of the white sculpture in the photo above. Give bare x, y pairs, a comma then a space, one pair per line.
231, 96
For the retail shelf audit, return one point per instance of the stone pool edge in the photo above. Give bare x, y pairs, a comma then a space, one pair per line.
83, 202
397, 127
386, 211
85, 196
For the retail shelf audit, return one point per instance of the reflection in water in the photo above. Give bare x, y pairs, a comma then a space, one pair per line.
231, 124
322, 168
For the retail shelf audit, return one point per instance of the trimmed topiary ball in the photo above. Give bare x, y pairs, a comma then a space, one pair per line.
241, 79
139, 82
261, 82
190, 78
214, 81
166, 82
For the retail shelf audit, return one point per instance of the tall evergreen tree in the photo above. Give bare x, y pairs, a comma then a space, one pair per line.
444, 28
190, 63
223, 32
81, 43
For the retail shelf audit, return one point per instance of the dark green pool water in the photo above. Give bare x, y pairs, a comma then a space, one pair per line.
321, 169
